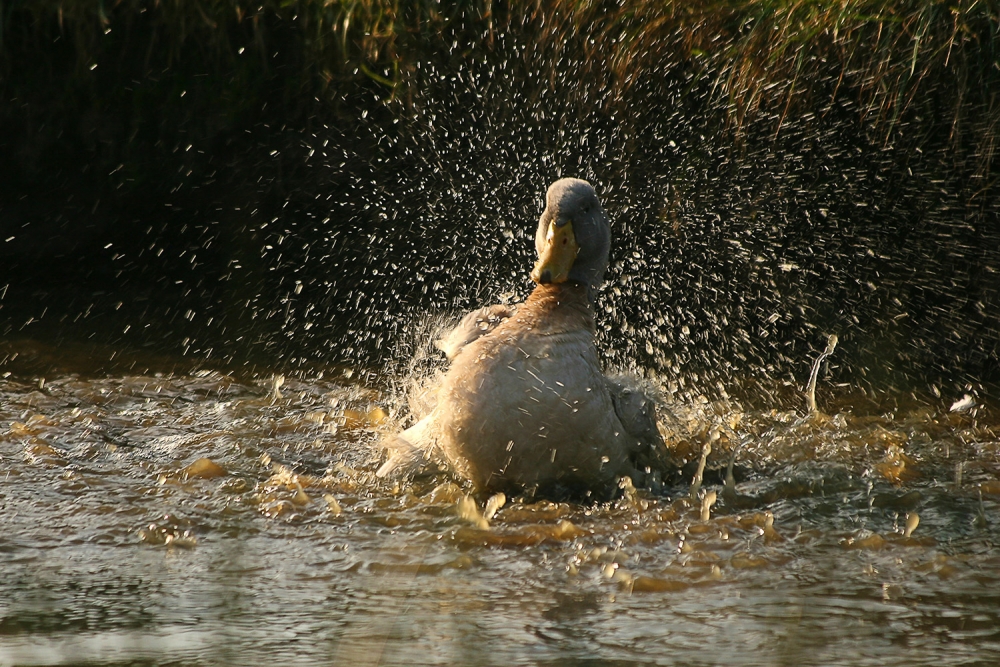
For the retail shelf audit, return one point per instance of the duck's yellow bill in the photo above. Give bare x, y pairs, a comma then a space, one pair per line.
557, 256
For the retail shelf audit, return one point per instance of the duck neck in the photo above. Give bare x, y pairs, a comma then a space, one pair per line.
563, 304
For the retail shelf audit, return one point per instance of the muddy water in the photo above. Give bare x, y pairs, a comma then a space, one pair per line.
205, 517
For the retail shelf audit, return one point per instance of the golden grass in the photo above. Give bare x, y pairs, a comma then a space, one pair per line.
936, 61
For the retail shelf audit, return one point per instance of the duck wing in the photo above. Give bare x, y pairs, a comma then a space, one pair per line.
637, 413
410, 450
476, 324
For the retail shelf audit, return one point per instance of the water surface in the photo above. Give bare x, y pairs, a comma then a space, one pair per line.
119, 546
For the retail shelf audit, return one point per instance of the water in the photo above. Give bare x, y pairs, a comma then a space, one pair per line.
116, 549
164, 501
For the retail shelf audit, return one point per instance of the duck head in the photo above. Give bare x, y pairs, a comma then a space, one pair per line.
573, 237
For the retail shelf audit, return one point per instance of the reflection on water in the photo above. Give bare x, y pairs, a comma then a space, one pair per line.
204, 518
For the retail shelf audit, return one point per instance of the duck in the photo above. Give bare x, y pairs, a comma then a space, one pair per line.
525, 403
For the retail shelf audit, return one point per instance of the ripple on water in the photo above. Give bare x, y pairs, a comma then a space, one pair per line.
173, 518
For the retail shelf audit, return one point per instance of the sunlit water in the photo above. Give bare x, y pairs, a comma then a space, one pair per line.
121, 546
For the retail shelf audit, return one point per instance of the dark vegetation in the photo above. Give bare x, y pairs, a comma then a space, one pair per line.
293, 181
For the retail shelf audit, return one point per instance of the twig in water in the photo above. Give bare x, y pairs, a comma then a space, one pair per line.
831, 345
729, 490
706, 505
696, 484
275, 392
981, 521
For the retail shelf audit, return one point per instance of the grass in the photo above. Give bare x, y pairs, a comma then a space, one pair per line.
761, 52
119, 102
127, 81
